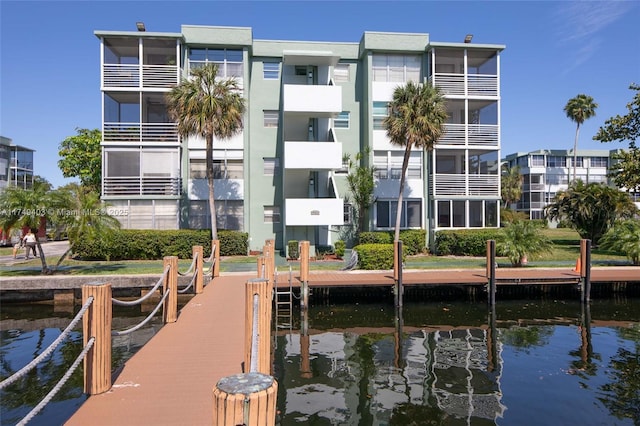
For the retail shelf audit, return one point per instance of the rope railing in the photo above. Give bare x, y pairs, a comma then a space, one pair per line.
143, 322
193, 264
146, 296
190, 285
49, 350
58, 385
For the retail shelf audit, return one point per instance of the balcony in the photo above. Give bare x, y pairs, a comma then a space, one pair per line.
314, 211
120, 186
466, 185
485, 135
478, 85
118, 76
313, 155
140, 133
316, 101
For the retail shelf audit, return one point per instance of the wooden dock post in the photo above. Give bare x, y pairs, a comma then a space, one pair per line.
398, 290
170, 284
198, 253
271, 244
262, 272
305, 344
585, 269
491, 271
96, 323
258, 326
304, 274
269, 260
245, 399
215, 247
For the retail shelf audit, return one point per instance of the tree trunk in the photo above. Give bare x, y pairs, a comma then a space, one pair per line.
405, 163
64, 255
575, 151
212, 204
43, 260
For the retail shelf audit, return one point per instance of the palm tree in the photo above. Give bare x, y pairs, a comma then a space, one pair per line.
209, 106
511, 184
27, 208
522, 239
579, 109
416, 118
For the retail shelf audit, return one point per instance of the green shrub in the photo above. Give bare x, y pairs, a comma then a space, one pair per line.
375, 256
134, 244
464, 242
233, 243
340, 247
508, 216
324, 250
380, 237
293, 249
413, 241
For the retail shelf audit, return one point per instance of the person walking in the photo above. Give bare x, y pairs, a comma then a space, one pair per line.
30, 243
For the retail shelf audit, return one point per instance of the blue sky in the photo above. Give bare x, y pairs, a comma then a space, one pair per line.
49, 56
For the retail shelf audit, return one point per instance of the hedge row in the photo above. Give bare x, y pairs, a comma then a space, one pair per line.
413, 240
465, 242
375, 256
133, 244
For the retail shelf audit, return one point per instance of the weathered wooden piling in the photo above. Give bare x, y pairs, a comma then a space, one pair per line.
96, 323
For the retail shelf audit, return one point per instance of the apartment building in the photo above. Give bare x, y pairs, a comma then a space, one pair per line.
16, 164
309, 105
547, 171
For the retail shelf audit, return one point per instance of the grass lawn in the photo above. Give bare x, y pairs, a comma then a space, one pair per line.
566, 250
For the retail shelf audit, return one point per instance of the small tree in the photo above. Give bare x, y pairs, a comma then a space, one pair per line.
521, 240
361, 185
81, 157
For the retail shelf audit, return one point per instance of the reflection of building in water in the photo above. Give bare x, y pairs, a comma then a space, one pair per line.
361, 378
463, 387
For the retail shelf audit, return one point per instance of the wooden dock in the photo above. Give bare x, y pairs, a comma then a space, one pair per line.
171, 379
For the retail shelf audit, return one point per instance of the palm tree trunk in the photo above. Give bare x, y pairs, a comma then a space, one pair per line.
575, 153
43, 260
64, 255
405, 163
212, 204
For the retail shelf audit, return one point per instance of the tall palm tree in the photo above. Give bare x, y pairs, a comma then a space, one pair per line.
579, 109
207, 105
416, 118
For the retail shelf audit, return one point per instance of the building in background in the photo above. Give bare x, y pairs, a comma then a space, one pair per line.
545, 172
16, 164
310, 104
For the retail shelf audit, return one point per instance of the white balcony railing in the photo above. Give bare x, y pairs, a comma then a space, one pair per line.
466, 185
314, 211
116, 186
135, 76
313, 155
478, 134
140, 133
478, 85
317, 101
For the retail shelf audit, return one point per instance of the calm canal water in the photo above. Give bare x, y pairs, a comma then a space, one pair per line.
439, 363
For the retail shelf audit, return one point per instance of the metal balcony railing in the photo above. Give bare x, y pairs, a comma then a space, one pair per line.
115, 186
139, 133
136, 76
478, 85
478, 134
466, 185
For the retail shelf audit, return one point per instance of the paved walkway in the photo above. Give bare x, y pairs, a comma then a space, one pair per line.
170, 380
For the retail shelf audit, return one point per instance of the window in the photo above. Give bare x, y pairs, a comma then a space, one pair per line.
230, 61
270, 118
342, 120
556, 161
271, 214
229, 214
380, 165
537, 161
197, 168
380, 112
347, 213
341, 73
579, 162
396, 68
599, 162
411, 215
271, 166
271, 70
222, 168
